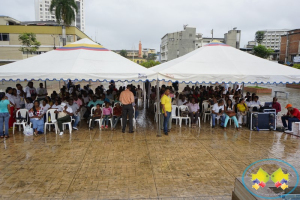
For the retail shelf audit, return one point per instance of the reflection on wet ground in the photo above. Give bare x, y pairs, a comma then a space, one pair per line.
194, 163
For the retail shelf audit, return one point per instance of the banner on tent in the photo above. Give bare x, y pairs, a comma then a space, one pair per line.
142, 75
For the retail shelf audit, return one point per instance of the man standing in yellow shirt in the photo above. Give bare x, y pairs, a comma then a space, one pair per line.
166, 109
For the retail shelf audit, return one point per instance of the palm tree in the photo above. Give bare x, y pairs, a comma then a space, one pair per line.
65, 13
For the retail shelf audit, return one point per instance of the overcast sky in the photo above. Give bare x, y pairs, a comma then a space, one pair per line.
120, 24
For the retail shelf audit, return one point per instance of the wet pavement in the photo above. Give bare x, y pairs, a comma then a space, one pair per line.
189, 163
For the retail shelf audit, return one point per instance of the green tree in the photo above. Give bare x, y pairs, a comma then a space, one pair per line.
65, 12
123, 53
29, 43
259, 36
297, 66
150, 63
151, 56
262, 51
144, 56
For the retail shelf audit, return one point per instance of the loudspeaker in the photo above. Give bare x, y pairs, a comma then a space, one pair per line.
262, 121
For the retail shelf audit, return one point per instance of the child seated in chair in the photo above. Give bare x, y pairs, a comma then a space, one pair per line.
107, 113
96, 115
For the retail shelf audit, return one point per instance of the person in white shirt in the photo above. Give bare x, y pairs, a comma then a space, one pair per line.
193, 111
45, 106
248, 101
29, 103
76, 110
86, 98
255, 104
29, 90
56, 105
21, 95
41, 92
64, 115
182, 100
9, 96
16, 99
218, 112
139, 92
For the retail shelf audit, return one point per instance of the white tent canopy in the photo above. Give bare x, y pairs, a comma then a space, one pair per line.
82, 60
217, 62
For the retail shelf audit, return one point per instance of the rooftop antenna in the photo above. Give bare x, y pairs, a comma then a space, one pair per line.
133, 48
184, 26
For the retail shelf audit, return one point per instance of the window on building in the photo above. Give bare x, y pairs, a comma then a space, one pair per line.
41, 9
191, 35
4, 37
41, 5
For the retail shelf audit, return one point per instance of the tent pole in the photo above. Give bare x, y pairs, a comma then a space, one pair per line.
45, 84
144, 90
243, 90
148, 102
158, 108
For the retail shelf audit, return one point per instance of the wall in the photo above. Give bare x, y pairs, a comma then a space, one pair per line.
293, 49
181, 43
9, 50
232, 38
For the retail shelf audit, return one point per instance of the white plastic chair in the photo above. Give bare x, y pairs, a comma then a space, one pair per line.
50, 114
64, 126
183, 108
218, 119
24, 114
174, 114
199, 121
96, 120
206, 111
134, 120
117, 103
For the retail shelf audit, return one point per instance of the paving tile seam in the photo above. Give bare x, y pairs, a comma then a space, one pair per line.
148, 153
78, 169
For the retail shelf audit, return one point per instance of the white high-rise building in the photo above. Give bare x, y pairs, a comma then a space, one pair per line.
42, 13
272, 38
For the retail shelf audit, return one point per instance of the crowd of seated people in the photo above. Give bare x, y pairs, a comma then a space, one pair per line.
74, 102
223, 103
71, 104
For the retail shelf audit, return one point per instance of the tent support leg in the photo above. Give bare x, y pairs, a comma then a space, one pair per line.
144, 90
243, 91
158, 108
45, 84
148, 95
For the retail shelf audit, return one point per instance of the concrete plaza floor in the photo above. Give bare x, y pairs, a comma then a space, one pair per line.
189, 163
